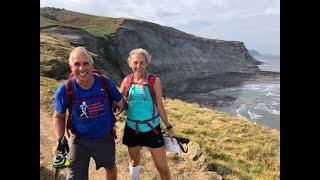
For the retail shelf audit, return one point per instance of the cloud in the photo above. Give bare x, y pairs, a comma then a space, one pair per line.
73, 2
274, 10
249, 21
82, 2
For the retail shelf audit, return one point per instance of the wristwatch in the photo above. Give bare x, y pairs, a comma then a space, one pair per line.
169, 127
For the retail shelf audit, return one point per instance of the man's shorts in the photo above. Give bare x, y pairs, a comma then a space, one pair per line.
102, 150
148, 139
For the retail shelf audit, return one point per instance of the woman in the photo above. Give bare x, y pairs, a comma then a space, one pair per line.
145, 109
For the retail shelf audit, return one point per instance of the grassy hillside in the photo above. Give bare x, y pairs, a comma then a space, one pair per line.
46, 22
54, 57
96, 25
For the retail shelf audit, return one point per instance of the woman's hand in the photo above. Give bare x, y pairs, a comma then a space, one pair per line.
171, 133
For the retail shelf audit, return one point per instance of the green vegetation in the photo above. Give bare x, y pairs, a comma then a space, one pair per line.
101, 31
47, 89
54, 57
46, 22
49, 11
96, 25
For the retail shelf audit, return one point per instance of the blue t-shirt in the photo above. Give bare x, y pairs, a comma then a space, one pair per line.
91, 115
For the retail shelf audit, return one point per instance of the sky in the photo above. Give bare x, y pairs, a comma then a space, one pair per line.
254, 22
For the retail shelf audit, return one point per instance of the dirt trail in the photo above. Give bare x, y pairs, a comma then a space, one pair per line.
180, 169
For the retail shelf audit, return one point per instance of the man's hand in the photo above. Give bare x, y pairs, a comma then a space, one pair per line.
61, 146
54, 149
122, 103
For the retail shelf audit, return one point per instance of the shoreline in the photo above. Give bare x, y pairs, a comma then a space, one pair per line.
198, 90
195, 90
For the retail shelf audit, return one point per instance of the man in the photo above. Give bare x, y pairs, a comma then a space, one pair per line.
91, 122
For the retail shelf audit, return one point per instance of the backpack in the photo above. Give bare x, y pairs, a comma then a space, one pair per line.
71, 98
151, 78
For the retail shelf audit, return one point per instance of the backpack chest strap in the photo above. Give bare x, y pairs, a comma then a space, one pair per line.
147, 122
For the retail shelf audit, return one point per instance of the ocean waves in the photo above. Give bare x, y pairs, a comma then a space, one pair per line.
259, 102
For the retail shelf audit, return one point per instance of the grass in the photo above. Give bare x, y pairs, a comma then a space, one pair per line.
54, 57
47, 90
96, 25
46, 22
247, 150
243, 149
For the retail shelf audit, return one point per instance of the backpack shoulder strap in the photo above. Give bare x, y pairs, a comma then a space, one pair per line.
107, 91
128, 83
70, 97
105, 85
96, 71
151, 80
69, 91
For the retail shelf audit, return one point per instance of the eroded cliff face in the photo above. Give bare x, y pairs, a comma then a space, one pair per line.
177, 55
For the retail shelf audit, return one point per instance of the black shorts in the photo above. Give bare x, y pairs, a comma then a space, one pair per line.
148, 139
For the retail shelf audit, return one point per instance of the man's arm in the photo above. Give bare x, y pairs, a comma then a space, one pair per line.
58, 124
58, 128
118, 95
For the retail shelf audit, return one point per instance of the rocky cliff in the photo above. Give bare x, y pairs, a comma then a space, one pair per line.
176, 55
174, 51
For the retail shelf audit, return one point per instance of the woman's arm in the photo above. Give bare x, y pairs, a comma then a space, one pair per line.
122, 87
161, 109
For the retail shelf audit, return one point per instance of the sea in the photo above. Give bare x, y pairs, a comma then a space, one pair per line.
258, 102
